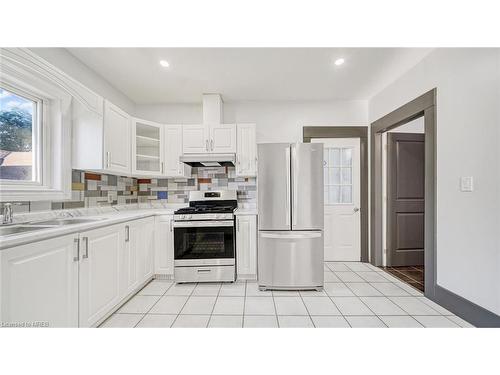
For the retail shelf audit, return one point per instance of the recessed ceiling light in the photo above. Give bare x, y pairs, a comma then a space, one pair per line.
339, 62
164, 63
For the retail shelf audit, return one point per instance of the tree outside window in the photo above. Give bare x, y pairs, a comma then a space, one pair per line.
16, 136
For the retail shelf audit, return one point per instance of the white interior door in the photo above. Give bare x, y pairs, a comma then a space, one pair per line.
342, 198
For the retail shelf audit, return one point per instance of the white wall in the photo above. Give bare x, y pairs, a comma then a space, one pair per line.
276, 121
415, 126
69, 64
468, 144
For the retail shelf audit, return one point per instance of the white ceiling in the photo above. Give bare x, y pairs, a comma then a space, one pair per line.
241, 74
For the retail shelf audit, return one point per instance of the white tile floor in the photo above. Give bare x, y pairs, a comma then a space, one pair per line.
355, 295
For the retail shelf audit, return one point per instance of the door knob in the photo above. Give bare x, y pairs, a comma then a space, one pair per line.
356, 209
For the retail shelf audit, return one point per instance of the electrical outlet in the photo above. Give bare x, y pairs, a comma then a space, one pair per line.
467, 184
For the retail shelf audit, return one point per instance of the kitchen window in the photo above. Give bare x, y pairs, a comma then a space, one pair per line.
20, 140
338, 175
35, 129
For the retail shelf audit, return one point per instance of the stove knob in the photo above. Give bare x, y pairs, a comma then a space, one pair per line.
189, 216
183, 217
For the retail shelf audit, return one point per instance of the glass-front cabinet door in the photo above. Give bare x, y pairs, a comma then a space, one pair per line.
147, 148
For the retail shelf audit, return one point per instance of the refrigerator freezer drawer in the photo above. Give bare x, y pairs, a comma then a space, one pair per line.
290, 260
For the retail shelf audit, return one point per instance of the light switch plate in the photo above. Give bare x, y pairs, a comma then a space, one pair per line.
467, 184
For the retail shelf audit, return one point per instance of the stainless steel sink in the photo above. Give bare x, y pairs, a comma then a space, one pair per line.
15, 229
66, 221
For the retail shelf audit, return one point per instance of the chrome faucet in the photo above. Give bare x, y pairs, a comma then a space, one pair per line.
8, 215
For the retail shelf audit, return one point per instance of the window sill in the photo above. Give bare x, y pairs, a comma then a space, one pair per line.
38, 194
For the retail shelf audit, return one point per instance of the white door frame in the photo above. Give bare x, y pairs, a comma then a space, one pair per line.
361, 132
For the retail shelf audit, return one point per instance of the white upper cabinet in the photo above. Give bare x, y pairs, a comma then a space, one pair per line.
195, 139
202, 139
147, 148
172, 151
246, 155
102, 140
222, 138
116, 139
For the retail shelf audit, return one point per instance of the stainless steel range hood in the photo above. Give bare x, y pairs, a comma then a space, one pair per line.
212, 114
209, 160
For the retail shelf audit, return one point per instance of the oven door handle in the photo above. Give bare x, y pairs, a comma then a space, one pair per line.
201, 224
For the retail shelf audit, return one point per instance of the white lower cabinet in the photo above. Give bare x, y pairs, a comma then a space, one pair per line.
129, 275
164, 245
78, 280
39, 283
99, 288
246, 246
137, 255
146, 250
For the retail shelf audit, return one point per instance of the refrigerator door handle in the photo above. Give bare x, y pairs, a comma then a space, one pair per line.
287, 211
295, 181
291, 235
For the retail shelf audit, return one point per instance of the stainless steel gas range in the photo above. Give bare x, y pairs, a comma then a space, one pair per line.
204, 238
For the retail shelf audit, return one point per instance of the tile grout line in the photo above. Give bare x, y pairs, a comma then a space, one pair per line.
213, 308
308, 313
275, 309
360, 301
340, 311
189, 296
378, 316
154, 304
244, 305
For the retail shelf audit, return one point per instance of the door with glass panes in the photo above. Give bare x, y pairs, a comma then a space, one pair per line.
341, 166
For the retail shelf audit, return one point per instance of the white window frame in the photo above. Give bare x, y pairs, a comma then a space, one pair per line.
340, 167
37, 136
54, 132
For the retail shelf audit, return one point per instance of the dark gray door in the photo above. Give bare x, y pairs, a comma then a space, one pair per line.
405, 199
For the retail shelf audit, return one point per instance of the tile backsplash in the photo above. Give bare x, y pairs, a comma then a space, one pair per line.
96, 190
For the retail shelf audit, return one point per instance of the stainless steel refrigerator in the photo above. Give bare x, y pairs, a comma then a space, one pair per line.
290, 200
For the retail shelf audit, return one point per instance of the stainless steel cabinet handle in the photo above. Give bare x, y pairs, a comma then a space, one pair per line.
108, 159
237, 225
208, 223
76, 258
86, 242
295, 181
171, 225
206, 144
127, 233
291, 236
161, 167
211, 144
204, 270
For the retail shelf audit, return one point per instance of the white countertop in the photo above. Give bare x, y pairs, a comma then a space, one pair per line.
106, 218
245, 211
